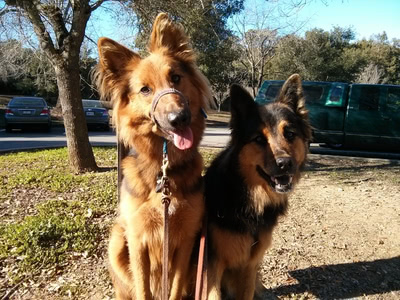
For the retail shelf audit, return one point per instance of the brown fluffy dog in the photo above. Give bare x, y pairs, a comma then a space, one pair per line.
247, 185
132, 83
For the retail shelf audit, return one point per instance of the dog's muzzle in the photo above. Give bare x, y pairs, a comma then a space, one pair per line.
157, 99
177, 129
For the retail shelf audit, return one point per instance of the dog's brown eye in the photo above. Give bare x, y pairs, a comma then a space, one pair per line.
175, 78
145, 90
260, 139
290, 135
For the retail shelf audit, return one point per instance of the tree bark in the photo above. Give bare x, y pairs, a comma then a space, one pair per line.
64, 55
80, 153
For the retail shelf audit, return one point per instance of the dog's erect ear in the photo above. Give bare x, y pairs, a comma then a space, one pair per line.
243, 107
110, 73
292, 94
113, 56
170, 37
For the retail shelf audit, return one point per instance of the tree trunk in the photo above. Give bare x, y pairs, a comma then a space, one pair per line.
62, 47
80, 153
253, 78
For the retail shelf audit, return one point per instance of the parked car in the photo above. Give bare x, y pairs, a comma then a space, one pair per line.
96, 114
348, 115
22, 112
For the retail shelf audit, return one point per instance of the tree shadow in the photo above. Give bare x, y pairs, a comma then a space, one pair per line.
106, 169
318, 165
344, 280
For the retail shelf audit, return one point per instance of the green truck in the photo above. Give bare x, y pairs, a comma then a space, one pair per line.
348, 115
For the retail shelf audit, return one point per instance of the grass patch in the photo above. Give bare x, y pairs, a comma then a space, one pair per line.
208, 155
59, 229
74, 220
51, 179
71, 214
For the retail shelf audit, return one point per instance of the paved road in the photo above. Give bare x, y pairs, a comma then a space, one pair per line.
23, 140
213, 137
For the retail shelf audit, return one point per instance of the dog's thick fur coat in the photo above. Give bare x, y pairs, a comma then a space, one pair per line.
132, 82
247, 185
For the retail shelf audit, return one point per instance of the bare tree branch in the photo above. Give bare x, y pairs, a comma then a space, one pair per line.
97, 4
56, 19
258, 29
371, 74
33, 14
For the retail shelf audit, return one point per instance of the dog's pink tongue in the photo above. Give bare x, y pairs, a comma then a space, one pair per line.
183, 139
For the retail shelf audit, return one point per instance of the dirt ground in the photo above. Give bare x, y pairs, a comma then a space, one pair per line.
339, 240
341, 236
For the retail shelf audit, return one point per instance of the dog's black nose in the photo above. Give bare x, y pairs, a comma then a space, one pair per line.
179, 119
284, 163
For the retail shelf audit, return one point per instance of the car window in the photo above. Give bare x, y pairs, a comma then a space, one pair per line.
393, 99
312, 93
369, 98
336, 94
272, 92
27, 102
92, 104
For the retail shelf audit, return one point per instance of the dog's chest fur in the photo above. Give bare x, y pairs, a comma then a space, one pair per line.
234, 206
142, 204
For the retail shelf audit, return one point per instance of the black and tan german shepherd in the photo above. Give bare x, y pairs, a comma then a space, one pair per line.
247, 185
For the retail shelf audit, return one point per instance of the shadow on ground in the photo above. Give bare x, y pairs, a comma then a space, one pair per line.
318, 164
343, 280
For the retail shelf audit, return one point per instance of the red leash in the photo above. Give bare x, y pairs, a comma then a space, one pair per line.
201, 277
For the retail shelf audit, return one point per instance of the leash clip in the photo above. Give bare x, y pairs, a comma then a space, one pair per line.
165, 186
165, 190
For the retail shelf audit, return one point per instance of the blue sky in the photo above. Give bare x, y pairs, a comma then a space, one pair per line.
366, 17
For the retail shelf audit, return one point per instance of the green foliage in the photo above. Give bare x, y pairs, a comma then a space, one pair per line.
29, 72
380, 52
26, 71
334, 56
317, 56
206, 25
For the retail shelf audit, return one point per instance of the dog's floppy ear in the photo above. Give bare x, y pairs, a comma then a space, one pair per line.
170, 37
243, 107
292, 95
